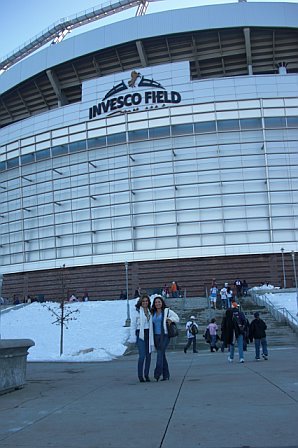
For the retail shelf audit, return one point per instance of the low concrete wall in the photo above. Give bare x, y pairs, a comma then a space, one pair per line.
13, 363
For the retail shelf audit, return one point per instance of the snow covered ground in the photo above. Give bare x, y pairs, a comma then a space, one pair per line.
96, 334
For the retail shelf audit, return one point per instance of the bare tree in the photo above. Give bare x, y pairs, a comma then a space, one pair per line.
65, 313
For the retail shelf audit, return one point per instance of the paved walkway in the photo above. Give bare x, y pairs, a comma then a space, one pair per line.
207, 403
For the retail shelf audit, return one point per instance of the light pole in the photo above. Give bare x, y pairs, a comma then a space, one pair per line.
128, 321
295, 277
283, 266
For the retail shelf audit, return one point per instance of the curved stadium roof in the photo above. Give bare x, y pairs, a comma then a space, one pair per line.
218, 41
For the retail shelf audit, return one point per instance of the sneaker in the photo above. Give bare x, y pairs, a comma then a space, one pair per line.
230, 359
241, 360
265, 357
258, 359
184, 350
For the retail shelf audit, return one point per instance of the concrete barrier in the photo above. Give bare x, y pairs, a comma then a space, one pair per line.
13, 363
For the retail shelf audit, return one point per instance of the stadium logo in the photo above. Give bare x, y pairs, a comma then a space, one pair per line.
154, 95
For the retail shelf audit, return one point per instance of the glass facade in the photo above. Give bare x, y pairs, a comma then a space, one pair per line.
149, 185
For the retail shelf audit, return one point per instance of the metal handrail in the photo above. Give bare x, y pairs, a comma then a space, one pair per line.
281, 314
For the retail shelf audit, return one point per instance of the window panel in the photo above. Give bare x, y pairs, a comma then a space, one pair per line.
116, 139
228, 125
59, 150
181, 129
166, 243
139, 134
250, 123
159, 132
275, 122
205, 126
292, 122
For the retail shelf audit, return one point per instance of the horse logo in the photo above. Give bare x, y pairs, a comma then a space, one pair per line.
134, 76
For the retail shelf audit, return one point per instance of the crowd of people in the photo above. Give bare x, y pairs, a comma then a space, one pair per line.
152, 327
227, 293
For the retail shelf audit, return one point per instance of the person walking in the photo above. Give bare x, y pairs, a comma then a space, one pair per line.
257, 332
233, 330
212, 327
229, 296
145, 338
192, 330
224, 297
161, 315
213, 296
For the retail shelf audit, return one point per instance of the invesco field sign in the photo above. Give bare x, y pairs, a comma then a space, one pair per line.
146, 98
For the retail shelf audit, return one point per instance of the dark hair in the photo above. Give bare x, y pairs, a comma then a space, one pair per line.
213, 320
153, 308
139, 303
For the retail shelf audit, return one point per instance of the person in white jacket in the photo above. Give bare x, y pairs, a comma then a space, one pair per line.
161, 315
145, 339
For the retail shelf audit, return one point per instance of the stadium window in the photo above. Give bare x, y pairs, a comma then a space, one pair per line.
292, 122
44, 154
13, 163
139, 134
27, 158
159, 132
96, 142
116, 139
77, 146
182, 129
205, 126
275, 122
228, 125
250, 123
59, 150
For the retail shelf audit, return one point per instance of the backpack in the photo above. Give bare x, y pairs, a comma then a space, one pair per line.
207, 336
193, 329
239, 322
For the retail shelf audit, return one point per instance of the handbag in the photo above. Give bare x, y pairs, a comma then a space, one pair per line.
172, 329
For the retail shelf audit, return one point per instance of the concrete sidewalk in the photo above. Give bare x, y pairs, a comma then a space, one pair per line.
207, 403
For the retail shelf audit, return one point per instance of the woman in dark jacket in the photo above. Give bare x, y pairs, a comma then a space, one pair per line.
233, 328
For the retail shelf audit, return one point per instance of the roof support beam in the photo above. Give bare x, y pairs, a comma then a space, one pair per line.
195, 54
246, 32
62, 100
142, 54
96, 66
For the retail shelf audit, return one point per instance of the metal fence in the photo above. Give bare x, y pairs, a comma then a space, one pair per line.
281, 314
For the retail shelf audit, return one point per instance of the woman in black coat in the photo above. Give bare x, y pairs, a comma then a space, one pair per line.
233, 328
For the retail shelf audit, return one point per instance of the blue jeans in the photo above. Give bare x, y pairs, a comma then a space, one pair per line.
192, 341
213, 341
240, 347
161, 341
144, 355
258, 343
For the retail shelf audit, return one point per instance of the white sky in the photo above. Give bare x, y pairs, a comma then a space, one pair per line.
98, 333
22, 20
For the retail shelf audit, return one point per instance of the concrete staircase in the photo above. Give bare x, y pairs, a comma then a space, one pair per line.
278, 334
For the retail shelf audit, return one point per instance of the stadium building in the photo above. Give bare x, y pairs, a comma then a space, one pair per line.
167, 142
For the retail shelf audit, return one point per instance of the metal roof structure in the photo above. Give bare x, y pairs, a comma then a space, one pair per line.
57, 32
216, 51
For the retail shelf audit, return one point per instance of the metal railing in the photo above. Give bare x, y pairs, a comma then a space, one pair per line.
281, 314
59, 29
